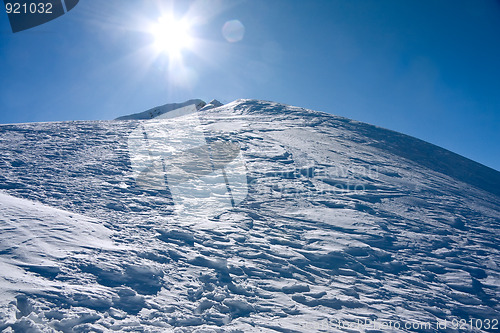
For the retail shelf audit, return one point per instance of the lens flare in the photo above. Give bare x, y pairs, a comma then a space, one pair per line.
233, 31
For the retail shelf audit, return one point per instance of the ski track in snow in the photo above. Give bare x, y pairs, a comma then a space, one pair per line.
343, 221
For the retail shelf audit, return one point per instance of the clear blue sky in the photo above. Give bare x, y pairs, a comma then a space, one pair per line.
428, 68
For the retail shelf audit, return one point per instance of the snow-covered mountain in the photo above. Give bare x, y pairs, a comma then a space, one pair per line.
162, 109
212, 104
343, 226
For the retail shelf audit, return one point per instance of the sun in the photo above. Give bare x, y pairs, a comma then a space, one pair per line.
171, 36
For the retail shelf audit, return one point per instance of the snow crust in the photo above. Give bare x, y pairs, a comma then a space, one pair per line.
343, 223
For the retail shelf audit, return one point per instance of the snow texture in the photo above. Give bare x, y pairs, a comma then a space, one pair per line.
343, 222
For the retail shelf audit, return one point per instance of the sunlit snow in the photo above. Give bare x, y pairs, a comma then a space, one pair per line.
342, 223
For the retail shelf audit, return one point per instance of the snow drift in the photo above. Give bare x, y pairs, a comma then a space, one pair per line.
345, 226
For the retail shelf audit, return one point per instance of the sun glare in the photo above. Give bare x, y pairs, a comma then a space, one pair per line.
171, 36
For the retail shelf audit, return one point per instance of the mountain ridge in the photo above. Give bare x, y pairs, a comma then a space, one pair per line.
495, 174
162, 109
470, 171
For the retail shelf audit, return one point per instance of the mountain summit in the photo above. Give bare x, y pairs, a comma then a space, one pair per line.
213, 104
252, 216
162, 109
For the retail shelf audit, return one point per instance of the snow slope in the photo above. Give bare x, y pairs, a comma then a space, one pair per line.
36, 240
343, 223
159, 110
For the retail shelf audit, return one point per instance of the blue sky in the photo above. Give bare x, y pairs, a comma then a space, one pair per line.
430, 69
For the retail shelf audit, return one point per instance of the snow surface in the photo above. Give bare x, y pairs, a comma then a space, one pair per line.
343, 221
